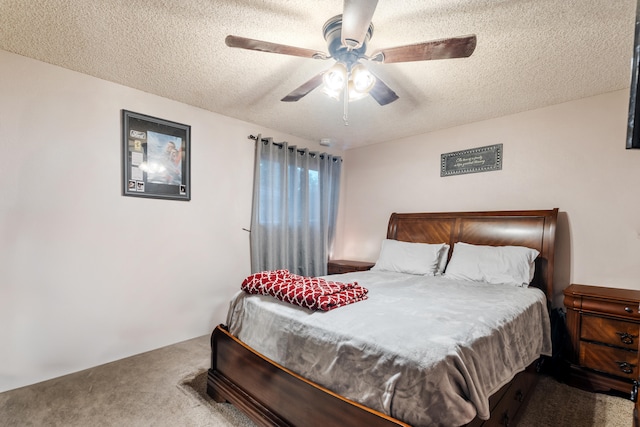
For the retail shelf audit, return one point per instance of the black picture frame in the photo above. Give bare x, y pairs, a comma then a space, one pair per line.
633, 120
481, 159
156, 157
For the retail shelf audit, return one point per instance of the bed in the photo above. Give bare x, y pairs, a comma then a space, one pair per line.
272, 394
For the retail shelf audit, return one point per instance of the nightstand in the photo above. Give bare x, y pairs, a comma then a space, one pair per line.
604, 327
338, 266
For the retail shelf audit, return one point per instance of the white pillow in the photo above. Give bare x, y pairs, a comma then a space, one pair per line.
512, 265
406, 257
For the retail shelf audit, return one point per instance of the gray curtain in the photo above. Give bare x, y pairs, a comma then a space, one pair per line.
295, 205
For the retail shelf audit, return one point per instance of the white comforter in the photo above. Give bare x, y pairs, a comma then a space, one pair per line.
426, 350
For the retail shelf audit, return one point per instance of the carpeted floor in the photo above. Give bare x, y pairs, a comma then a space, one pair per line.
165, 387
548, 406
556, 404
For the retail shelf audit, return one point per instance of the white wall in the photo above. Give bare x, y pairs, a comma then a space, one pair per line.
571, 156
88, 276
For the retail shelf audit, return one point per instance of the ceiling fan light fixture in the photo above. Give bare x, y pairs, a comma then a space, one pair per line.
335, 78
363, 80
354, 94
333, 94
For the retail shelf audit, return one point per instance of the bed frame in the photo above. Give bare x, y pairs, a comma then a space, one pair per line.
273, 395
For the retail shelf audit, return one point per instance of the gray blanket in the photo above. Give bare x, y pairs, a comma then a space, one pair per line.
425, 350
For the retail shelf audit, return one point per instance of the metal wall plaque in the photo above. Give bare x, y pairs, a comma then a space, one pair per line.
481, 159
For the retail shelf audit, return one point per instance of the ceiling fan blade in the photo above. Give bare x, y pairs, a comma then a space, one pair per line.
382, 93
356, 18
454, 47
304, 89
262, 46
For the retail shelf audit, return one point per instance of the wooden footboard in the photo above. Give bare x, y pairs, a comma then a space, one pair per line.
271, 395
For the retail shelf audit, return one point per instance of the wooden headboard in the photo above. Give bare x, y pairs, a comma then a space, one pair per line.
533, 229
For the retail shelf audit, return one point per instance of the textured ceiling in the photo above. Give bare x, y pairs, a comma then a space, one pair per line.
530, 53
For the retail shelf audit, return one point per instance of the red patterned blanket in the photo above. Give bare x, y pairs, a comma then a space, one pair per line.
311, 292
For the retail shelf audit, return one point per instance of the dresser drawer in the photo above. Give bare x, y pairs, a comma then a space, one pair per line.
623, 363
609, 331
505, 410
627, 309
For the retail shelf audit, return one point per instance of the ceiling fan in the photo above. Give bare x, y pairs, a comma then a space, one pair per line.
347, 36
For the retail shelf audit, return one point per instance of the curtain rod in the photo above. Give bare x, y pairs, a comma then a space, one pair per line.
255, 138
281, 144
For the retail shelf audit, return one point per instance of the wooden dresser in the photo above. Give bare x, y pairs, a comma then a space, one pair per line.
339, 266
603, 326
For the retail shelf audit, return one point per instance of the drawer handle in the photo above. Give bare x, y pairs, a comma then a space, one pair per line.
519, 396
626, 367
626, 338
505, 419
628, 309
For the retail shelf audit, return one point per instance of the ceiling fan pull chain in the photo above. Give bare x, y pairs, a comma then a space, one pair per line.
345, 99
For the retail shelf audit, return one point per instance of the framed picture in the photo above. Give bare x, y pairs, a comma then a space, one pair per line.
156, 157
